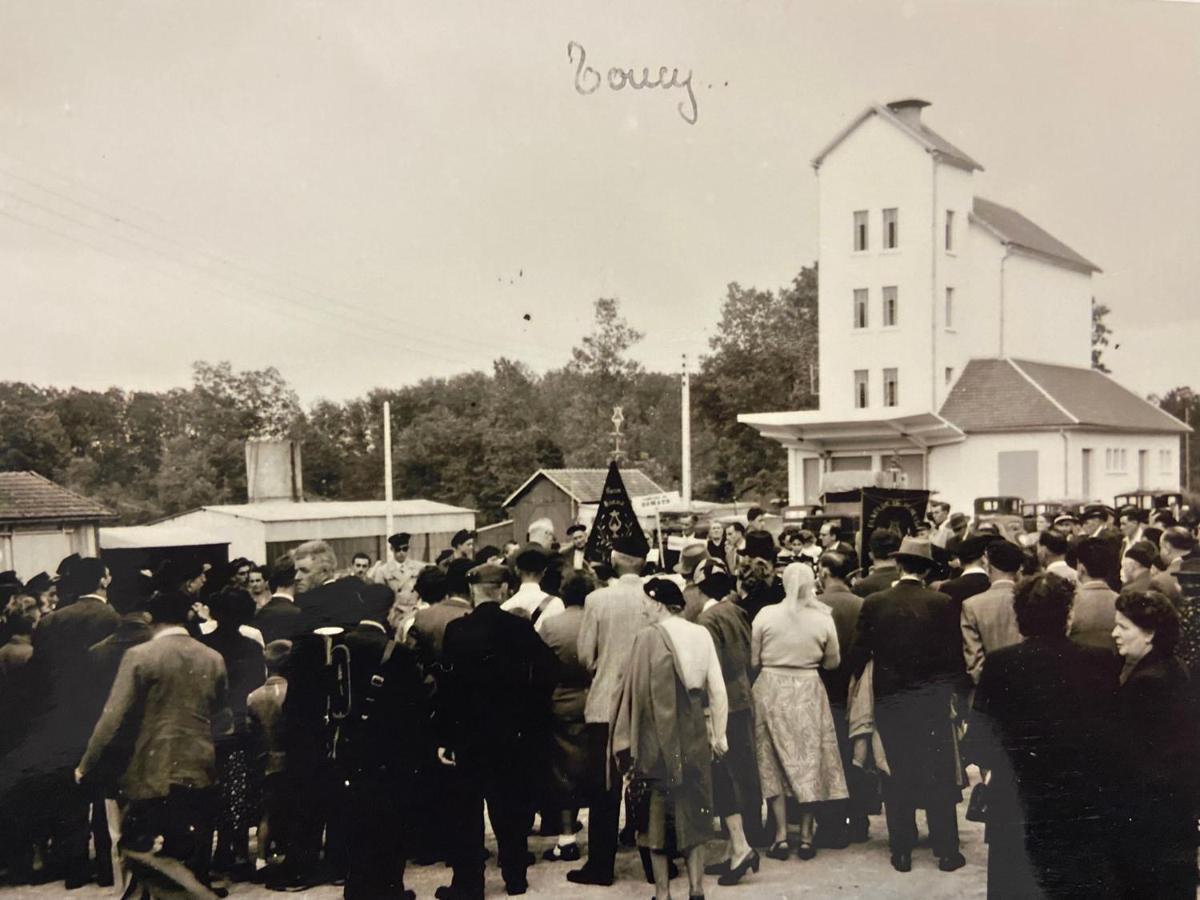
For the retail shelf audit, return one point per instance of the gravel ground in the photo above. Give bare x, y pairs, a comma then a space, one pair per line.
862, 870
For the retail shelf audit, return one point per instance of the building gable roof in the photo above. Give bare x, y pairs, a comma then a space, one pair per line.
28, 496
314, 510
1014, 395
1016, 230
933, 142
586, 485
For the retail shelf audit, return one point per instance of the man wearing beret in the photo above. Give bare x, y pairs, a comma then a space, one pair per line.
530, 600
400, 574
493, 720
572, 554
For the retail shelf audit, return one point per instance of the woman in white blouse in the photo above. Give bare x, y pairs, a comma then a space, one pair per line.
794, 734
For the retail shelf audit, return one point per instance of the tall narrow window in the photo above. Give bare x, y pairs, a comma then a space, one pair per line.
891, 387
949, 307
891, 229
860, 230
949, 374
860, 308
860, 389
949, 229
890, 311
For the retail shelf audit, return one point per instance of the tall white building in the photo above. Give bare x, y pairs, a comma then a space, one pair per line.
955, 335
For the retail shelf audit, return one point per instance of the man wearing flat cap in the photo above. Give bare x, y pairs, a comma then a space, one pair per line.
912, 635
493, 720
400, 573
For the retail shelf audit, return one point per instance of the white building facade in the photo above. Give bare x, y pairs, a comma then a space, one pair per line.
923, 283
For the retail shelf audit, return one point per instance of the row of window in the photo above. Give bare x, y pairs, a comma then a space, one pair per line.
1116, 461
890, 221
891, 307
862, 388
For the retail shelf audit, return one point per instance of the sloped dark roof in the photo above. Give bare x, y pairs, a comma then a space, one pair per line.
1012, 394
1013, 228
926, 136
27, 496
586, 485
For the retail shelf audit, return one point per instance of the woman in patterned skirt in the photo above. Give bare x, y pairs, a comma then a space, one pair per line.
794, 733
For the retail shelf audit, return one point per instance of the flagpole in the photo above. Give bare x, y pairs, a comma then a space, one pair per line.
685, 403
387, 465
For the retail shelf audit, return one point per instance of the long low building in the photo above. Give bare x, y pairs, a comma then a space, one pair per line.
263, 531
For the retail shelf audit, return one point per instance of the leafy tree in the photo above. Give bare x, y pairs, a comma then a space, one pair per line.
1184, 404
1100, 334
764, 357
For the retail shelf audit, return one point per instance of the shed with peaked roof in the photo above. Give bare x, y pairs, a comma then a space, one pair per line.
561, 495
41, 522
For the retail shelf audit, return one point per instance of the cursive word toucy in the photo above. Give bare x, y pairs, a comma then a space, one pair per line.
589, 80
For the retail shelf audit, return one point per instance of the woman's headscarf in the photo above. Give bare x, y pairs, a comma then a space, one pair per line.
799, 584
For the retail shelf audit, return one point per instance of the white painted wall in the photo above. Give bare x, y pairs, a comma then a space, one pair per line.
876, 167
961, 472
1047, 312
247, 537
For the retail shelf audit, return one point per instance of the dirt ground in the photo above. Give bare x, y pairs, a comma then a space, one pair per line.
862, 870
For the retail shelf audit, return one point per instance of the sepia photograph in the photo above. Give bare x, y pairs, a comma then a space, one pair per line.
600, 451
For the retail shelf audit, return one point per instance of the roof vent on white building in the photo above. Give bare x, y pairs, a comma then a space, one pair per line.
908, 110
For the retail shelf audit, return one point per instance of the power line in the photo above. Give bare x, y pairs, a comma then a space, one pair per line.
256, 273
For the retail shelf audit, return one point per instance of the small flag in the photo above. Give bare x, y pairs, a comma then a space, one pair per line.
616, 521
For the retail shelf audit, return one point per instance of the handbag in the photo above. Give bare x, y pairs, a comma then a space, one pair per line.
977, 805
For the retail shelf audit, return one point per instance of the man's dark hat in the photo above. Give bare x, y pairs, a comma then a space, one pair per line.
630, 545
488, 574
665, 591
377, 600
973, 547
1097, 511
400, 539
571, 529
9, 578
957, 520
64, 567
275, 654
760, 545
486, 552
717, 584
461, 537
39, 583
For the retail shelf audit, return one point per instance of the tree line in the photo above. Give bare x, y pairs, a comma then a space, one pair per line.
469, 439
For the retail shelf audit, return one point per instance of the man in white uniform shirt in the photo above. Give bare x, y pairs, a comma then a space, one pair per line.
530, 601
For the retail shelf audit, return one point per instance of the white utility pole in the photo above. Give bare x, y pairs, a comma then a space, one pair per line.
387, 464
685, 403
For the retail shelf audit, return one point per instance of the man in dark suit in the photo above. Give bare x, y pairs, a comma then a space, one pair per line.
842, 821
1042, 711
974, 578
167, 692
382, 746
60, 646
572, 553
280, 618
494, 719
912, 634
325, 600
883, 543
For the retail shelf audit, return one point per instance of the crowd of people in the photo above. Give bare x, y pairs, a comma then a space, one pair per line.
310, 722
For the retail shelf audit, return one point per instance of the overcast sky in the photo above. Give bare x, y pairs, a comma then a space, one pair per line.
366, 194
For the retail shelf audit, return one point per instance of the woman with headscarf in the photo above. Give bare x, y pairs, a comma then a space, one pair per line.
661, 733
794, 732
1155, 750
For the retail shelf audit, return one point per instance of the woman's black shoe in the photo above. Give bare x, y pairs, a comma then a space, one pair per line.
562, 853
779, 850
717, 868
738, 872
806, 850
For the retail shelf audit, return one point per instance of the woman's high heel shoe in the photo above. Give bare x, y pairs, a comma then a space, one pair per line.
738, 872
779, 850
